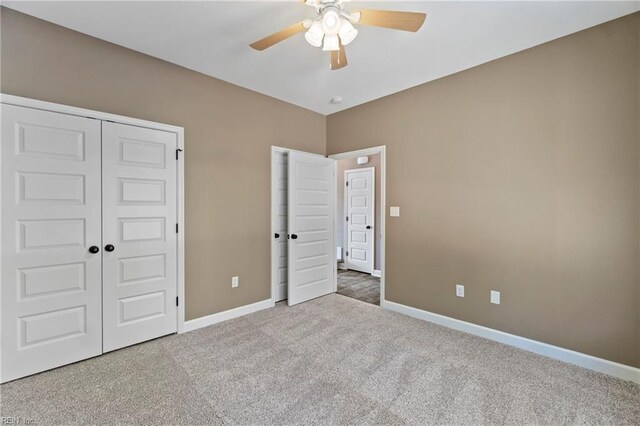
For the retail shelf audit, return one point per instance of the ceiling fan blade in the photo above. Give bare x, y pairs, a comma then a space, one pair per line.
338, 58
278, 37
405, 21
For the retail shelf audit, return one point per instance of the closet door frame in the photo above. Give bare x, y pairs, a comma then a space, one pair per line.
275, 228
179, 131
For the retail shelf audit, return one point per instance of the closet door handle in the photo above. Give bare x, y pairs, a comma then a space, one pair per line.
277, 235
294, 237
109, 247
94, 249
368, 226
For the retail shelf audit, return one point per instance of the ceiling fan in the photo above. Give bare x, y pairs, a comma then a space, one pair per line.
333, 27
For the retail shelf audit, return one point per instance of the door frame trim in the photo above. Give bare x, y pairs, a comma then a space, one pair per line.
346, 209
179, 131
382, 150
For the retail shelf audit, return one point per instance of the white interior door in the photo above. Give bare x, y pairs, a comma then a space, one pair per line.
360, 219
311, 195
51, 281
280, 226
139, 234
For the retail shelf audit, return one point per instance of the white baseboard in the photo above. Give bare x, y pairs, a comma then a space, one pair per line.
376, 273
194, 324
611, 368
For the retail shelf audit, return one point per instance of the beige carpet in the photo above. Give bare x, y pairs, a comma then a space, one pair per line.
333, 360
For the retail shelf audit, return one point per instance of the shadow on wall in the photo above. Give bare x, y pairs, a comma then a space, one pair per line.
341, 237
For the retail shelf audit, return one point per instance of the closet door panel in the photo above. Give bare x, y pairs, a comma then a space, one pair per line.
51, 216
139, 221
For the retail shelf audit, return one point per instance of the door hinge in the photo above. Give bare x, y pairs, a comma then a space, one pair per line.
347, 218
347, 253
347, 183
176, 228
177, 301
178, 151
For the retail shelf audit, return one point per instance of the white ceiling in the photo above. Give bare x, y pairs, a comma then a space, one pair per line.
213, 38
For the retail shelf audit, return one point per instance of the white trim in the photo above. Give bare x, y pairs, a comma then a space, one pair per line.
197, 323
345, 204
376, 273
181, 233
382, 150
335, 224
611, 368
358, 153
274, 215
179, 131
361, 169
82, 112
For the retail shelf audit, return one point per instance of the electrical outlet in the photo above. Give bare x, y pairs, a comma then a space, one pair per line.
460, 290
495, 297
234, 282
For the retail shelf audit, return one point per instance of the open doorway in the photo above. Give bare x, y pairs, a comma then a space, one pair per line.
359, 227
302, 223
307, 213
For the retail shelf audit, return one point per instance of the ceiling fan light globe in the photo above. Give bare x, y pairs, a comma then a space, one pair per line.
331, 42
312, 40
347, 33
315, 34
331, 22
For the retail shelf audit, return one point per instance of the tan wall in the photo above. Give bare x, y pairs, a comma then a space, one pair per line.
341, 238
520, 175
228, 134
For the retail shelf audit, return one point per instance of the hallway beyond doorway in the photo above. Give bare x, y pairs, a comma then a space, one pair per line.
359, 285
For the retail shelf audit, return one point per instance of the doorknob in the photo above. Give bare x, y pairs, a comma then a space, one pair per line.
277, 235
368, 226
294, 237
94, 249
109, 247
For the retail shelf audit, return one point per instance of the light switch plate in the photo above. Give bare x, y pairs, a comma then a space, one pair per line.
459, 290
394, 211
495, 297
234, 282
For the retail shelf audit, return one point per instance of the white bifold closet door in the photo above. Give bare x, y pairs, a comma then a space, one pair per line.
51, 212
311, 194
139, 234
88, 234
